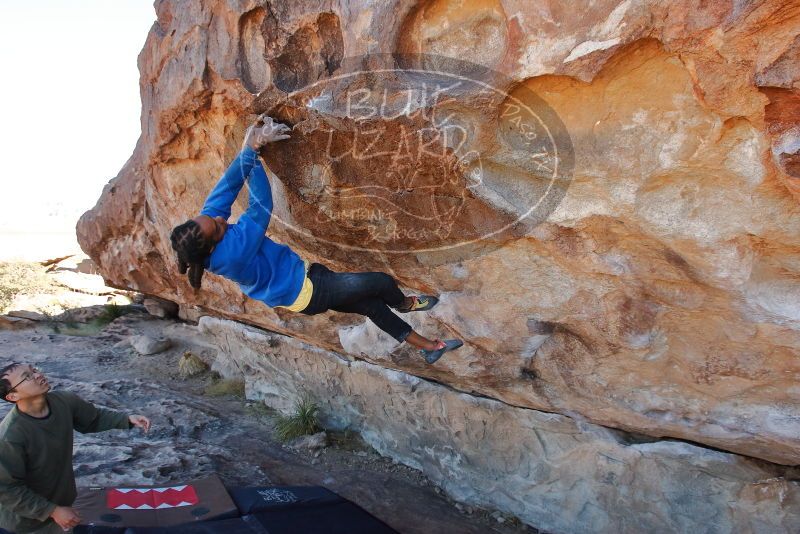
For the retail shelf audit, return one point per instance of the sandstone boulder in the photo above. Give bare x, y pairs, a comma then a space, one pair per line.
160, 307
557, 473
665, 265
147, 345
27, 315
9, 322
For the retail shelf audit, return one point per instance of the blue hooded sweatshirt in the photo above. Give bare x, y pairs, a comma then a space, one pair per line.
265, 270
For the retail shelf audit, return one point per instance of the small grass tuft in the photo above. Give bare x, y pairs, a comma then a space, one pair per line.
348, 440
260, 409
191, 365
224, 387
301, 423
110, 312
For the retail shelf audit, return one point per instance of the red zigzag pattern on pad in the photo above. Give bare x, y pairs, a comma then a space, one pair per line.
151, 498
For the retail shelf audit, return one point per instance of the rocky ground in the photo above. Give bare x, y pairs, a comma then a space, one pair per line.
204, 425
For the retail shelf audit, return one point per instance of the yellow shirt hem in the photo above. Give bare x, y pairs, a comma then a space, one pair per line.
303, 299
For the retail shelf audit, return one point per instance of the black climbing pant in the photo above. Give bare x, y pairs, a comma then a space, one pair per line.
369, 294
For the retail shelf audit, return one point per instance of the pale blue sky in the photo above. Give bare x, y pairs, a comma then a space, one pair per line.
70, 105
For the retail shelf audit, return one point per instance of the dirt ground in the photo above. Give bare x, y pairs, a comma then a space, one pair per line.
203, 425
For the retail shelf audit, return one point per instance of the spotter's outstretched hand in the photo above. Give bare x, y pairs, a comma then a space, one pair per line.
141, 422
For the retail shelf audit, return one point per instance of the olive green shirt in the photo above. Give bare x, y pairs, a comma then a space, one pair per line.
36, 458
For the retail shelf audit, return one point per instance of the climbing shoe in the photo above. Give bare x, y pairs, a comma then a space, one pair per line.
432, 355
420, 303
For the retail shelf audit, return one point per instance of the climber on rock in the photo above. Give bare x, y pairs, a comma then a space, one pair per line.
274, 273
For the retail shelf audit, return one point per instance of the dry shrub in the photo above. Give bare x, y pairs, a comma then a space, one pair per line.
191, 365
23, 277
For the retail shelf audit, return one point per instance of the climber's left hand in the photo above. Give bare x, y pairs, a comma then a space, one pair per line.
265, 130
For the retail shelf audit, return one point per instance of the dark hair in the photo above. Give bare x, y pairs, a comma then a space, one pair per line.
192, 248
5, 385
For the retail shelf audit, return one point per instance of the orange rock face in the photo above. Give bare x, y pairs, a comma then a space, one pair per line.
606, 198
